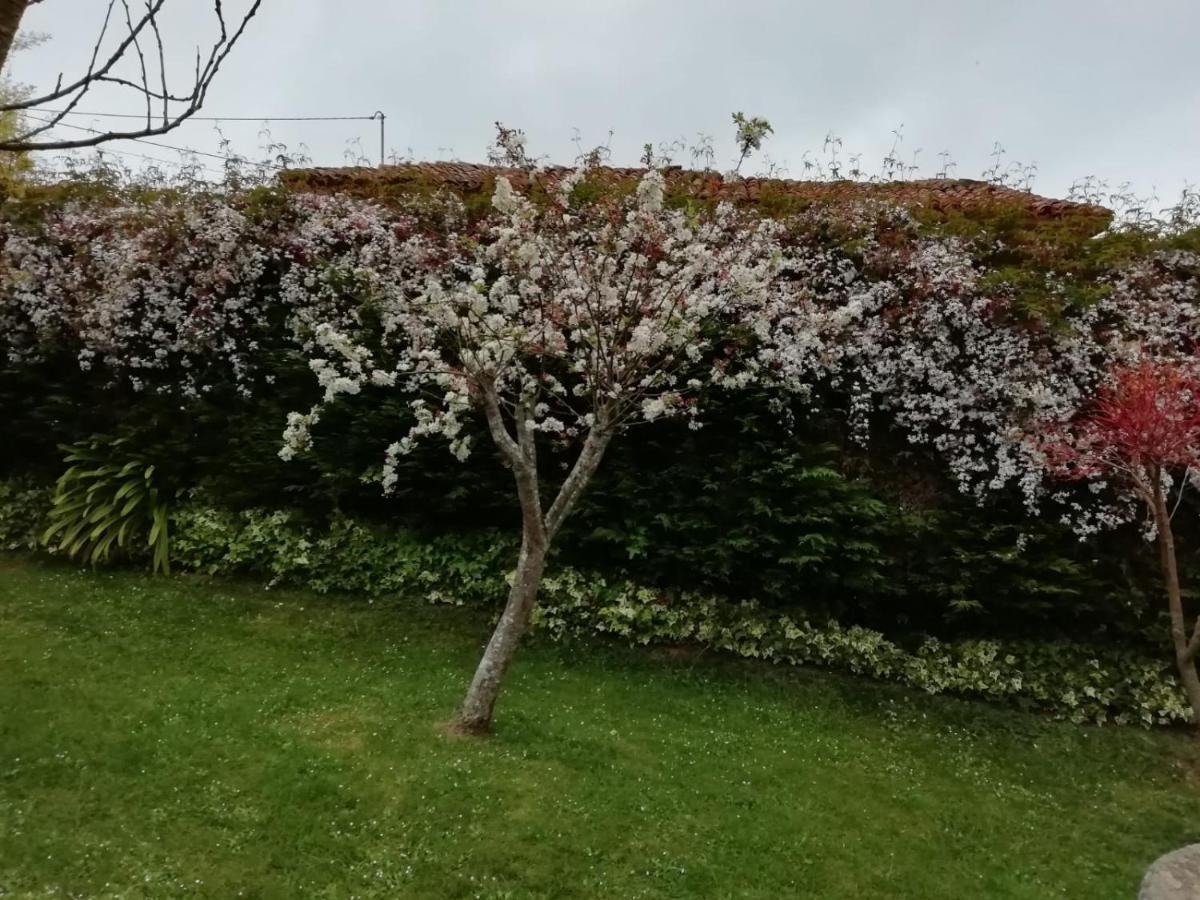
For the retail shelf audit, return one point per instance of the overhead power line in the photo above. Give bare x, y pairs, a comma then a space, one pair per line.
377, 116
157, 159
106, 115
190, 150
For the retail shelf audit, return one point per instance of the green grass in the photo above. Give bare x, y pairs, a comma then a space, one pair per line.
164, 738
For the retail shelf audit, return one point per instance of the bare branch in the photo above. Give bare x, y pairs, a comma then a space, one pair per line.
1182, 487
175, 106
141, 58
162, 65
1193, 645
62, 92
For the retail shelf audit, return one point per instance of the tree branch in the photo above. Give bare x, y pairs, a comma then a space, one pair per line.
495, 419
581, 473
1193, 645
188, 102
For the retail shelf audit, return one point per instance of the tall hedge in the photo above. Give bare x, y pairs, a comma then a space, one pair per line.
791, 511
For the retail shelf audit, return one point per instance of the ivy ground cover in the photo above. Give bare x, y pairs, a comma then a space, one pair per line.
210, 738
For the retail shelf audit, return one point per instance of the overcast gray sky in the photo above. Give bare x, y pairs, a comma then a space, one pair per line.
1109, 88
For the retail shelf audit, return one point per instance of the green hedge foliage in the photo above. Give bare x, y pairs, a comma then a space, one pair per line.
24, 511
746, 507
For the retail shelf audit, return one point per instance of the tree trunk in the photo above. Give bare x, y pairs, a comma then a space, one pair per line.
1185, 656
11, 12
537, 531
476, 715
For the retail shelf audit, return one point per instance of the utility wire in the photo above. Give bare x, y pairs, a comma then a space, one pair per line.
370, 118
377, 116
171, 147
183, 164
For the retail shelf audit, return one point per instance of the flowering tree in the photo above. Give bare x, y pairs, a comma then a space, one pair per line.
564, 319
572, 319
1143, 430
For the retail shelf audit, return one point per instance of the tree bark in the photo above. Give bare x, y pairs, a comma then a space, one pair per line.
11, 12
537, 532
1185, 652
475, 718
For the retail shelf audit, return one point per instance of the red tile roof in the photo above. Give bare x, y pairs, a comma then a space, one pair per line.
938, 194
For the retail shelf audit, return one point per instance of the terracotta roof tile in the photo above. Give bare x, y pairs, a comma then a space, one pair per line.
942, 195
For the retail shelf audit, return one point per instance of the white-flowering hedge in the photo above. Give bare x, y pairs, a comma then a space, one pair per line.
915, 332
182, 291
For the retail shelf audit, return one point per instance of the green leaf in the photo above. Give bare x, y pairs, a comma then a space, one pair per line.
103, 527
101, 511
131, 504
123, 490
162, 561
72, 533
101, 549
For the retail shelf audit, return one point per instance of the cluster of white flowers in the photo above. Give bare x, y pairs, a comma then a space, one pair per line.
344, 258
141, 288
933, 350
159, 291
297, 436
1152, 307
577, 315
913, 331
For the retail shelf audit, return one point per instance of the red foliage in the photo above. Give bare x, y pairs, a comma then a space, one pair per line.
1147, 420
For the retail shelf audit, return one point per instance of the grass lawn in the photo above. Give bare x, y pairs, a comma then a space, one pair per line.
164, 738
